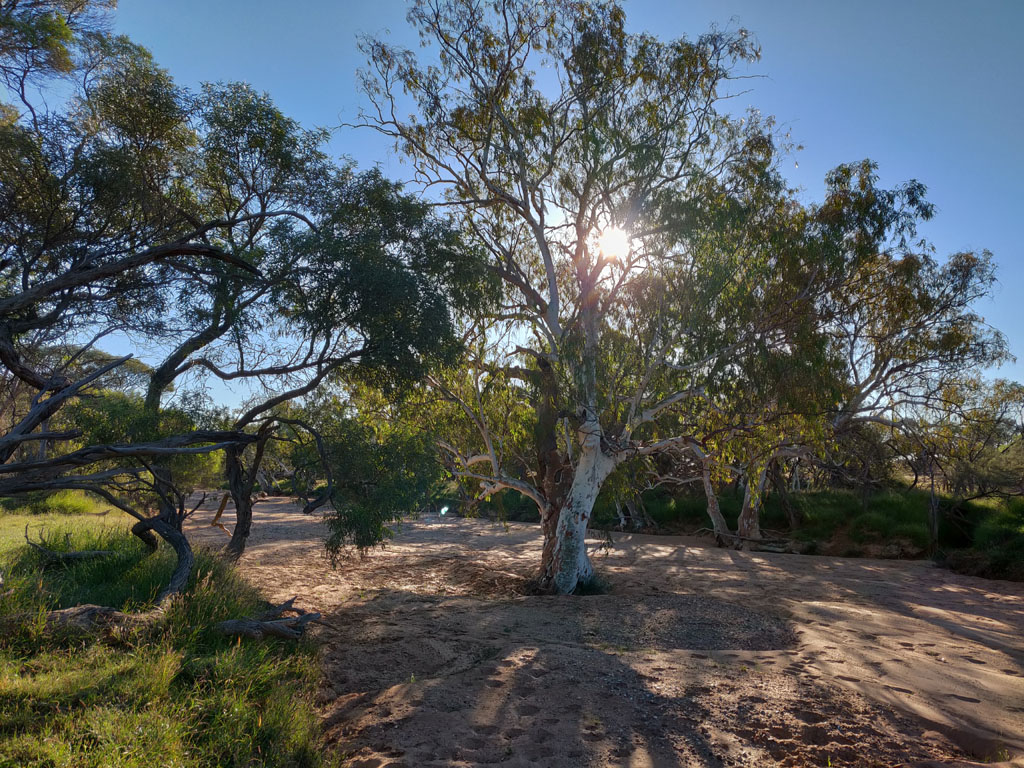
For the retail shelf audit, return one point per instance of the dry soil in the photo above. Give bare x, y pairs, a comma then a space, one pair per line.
697, 656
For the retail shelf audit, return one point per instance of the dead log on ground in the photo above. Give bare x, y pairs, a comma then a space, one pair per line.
272, 623
51, 557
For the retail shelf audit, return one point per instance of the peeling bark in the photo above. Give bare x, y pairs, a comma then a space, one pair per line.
566, 563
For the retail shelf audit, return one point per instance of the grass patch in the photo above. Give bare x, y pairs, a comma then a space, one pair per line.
998, 548
12, 526
65, 502
176, 695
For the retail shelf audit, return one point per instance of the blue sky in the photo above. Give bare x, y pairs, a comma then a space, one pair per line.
930, 89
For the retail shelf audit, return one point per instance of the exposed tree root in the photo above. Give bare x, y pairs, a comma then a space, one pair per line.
272, 623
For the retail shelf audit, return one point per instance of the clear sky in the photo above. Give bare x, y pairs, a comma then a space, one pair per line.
930, 89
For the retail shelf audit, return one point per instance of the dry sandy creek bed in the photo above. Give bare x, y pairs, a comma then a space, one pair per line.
696, 657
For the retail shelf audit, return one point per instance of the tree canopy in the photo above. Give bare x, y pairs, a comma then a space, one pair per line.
209, 227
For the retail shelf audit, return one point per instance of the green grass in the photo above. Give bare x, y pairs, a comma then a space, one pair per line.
55, 503
846, 518
12, 526
998, 547
178, 694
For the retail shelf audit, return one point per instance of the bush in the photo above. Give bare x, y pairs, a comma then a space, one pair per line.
998, 549
65, 503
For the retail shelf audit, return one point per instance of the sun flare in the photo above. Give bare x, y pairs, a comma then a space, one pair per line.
614, 243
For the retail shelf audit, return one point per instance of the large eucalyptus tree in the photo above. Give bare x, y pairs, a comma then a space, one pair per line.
647, 247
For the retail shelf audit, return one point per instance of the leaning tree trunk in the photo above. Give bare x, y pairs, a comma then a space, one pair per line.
721, 527
565, 562
241, 484
749, 525
167, 525
241, 494
793, 514
186, 560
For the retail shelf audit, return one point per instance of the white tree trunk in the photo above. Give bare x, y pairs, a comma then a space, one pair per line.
621, 515
569, 563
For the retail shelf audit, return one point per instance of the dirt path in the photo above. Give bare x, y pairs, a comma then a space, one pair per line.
697, 657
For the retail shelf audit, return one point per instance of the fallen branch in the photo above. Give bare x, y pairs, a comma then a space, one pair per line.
271, 623
50, 557
220, 511
85, 620
778, 545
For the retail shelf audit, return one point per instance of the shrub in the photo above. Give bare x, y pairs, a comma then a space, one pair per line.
64, 503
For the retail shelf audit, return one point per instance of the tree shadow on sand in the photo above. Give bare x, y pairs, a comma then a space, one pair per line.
483, 676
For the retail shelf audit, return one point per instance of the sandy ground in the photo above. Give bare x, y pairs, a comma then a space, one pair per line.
696, 657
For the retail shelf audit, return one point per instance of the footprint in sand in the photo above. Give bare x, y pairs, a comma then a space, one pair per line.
495, 683
848, 679
539, 755
486, 730
1013, 672
972, 660
809, 716
907, 645
968, 699
528, 710
899, 690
